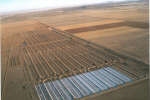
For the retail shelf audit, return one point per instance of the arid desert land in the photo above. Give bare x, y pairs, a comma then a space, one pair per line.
65, 42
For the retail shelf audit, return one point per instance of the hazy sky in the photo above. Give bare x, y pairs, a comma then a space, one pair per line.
15, 5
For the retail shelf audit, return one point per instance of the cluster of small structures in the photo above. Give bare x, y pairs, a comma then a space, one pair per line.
51, 54
81, 85
54, 54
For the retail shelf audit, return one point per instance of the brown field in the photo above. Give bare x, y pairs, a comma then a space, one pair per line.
62, 44
112, 25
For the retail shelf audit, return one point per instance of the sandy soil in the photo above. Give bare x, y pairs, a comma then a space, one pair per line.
17, 27
128, 40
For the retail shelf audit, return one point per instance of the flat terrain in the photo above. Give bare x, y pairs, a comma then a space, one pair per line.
120, 27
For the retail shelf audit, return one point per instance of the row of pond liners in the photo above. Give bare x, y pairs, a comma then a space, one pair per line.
81, 85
